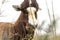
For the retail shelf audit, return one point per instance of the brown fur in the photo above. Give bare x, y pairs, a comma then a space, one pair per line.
5, 30
22, 22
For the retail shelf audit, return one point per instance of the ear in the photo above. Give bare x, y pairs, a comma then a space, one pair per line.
16, 7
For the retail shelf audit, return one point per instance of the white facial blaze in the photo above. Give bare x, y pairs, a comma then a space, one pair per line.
30, 2
31, 15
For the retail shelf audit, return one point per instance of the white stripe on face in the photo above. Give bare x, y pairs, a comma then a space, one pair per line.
30, 2
31, 15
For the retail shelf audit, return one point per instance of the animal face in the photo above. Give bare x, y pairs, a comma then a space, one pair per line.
25, 8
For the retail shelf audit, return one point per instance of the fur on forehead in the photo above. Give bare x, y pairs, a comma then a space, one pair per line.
31, 8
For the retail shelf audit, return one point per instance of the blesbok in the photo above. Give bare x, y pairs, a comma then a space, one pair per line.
29, 10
